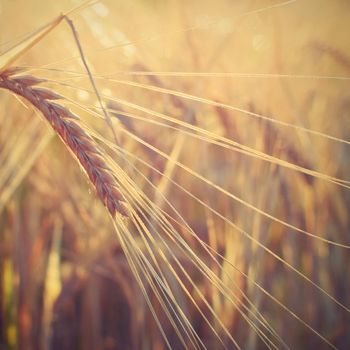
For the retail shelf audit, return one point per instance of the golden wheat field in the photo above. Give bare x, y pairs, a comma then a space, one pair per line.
174, 174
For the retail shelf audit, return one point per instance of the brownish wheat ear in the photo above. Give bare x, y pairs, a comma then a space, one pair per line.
72, 134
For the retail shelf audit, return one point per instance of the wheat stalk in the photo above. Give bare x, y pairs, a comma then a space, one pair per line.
63, 121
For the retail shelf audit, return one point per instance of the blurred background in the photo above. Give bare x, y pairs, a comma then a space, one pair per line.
64, 280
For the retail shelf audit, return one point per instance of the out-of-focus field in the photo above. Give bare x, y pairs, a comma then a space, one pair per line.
64, 280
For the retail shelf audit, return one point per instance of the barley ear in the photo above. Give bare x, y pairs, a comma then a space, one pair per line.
76, 139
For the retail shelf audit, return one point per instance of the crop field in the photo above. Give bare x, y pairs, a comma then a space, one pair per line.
174, 174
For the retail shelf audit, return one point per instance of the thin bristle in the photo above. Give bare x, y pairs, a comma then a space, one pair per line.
74, 137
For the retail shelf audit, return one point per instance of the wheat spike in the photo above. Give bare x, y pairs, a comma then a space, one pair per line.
83, 147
